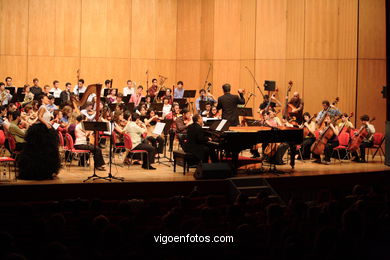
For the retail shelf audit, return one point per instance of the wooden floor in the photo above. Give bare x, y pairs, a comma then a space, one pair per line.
164, 173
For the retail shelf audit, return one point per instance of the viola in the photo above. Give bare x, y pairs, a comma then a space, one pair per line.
358, 139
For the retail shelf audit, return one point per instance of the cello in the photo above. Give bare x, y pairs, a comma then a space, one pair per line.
320, 123
359, 137
319, 145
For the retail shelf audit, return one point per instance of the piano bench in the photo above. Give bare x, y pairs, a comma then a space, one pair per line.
185, 158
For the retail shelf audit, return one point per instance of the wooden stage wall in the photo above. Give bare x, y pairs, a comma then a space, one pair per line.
328, 48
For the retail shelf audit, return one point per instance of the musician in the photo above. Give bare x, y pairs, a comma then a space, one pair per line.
65, 94
179, 90
8, 81
173, 115
129, 89
168, 94
297, 107
166, 107
16, 132
107, 85
51, 106
148, 101
36, 89
44, 115
214, 113
269, 104
56, 89
367, 142
81, 143
345, 126
46, 90
88, 112
203, 96
327, 109
118, 99
182, 124
112, 96
309, 139
205, 113
197, 142
156, 140
136, 98
332, 142
228, 103
136, 129
79, 88
153, 89
5, 96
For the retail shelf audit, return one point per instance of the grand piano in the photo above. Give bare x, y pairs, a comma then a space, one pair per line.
238, 138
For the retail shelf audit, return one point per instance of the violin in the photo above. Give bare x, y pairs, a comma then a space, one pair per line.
358, 138
318, 146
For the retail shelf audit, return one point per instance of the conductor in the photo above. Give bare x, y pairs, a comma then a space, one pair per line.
228, 103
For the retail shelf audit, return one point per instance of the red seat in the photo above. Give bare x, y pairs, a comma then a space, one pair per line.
343, 144
129, 147
378, 139
70, 147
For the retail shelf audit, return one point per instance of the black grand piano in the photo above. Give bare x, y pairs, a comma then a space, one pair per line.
238, 138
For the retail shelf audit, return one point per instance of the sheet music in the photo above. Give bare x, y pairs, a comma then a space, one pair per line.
56, 125
221, 125
158, 128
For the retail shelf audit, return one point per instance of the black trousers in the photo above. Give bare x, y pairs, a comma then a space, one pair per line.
19, 146
157, 142
97, 153
151, 152
328, 151
363, 147
305, 147
278, 157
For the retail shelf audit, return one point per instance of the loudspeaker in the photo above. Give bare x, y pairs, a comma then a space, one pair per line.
213, 171
269, 85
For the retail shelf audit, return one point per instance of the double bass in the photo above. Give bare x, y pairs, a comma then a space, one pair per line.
358, 138
319, 145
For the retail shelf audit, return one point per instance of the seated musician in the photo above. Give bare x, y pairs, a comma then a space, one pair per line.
81, 143
197, 142
16, 131
118, 99
111, 98
214, 113
28, 96
205, 113
136, 98
182, 124
156, 140
57, 116
309, 139
129, 89
51, 106
28, 115
153, 89
332, 142
203, 96
179, 90
367, 142
269, 104
168, 94
167, 108
148, 102
88, 111
173, 115
328, 109
345, 126
297, 107
135, 128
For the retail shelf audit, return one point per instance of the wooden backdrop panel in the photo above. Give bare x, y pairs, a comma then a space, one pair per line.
67, 30
321, 26
207, 30
320, 83
227, 30
347, 29
94, 70
65, 70
247, 82
41, 27
94, 28
119, 70
372, 77
346, 85
226, 72
188, 29
372, 30
294, 72
188, 71
13, 27
247, 29
119, 28
138, 71
41, 67
295, 29
166, 29
143, 29
167, 68
14, 67
271, 29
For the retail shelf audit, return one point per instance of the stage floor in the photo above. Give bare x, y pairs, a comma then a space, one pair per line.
164, 173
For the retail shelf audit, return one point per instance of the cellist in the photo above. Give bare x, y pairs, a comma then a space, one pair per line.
367, 141
309, 137
345, 126
332, 142
328, 109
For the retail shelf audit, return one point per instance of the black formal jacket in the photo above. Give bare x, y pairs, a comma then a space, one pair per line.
228, 103
196, 141
64, 96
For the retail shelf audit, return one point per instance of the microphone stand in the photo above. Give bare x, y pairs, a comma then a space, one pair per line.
207, 76
254, 79
247, 101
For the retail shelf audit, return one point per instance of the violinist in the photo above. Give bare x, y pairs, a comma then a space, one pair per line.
332, 142
367, 141
310, 126
136, 98
345, 126
28, 95
153, 89
205, 113
118, 99
168, 94
155, 140
328, 109
148, 102
88, 112
166, 107
214, 113
181, 125
269, 104
296, 103
111, 98
173, 115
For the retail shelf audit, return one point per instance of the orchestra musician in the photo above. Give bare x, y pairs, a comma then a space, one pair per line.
88, 112
65, 94
205, 113
81, 143
367, 141
36, 89
18, 133
153, 89
309, 138
328, 109
157, 141
79, 88
168, 94
107, 85
28, 95
173, 115
228, 103
179, 90
5, 96
135, 128
214, 113
332, 142
167, 108
51, 106
345, 126
296, 103
197, 142
56, 90
111, 97
182, 124
8, 82
129, 89
118, 99
269, 104
203, 96
136, 98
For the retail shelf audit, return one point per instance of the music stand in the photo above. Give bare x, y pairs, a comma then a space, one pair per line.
161, 93
156, 106
126, 99
98, 127
11, 90
245, 111
130, 107
189, 93
19, 90
106, 91
57, 101
181, 101
19, 97
269, 85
